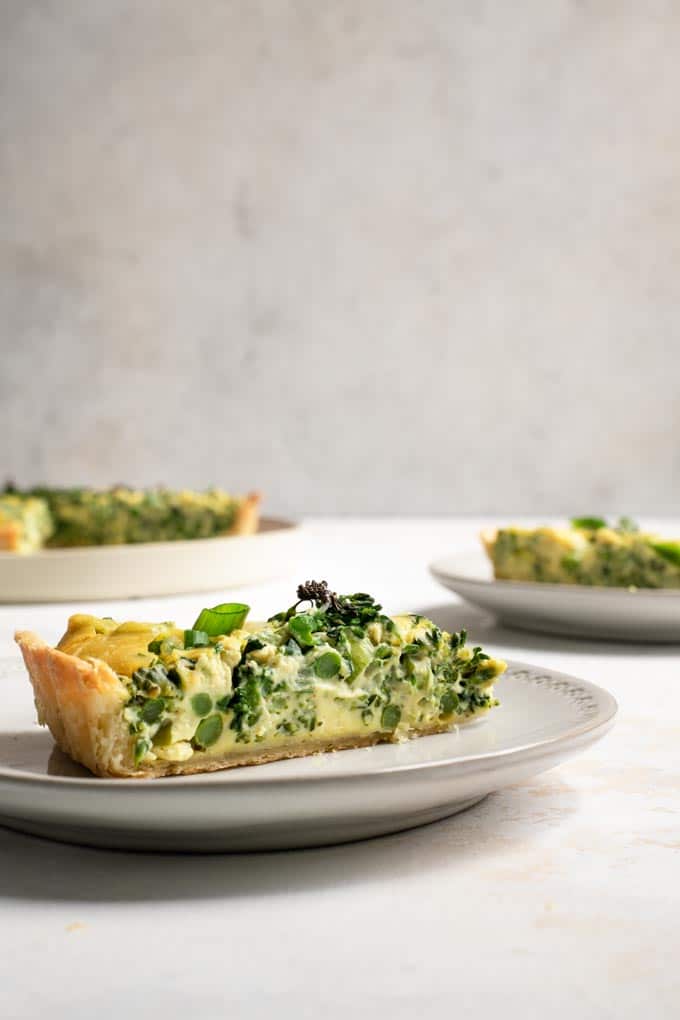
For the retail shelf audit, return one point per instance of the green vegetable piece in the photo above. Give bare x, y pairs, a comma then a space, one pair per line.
448, 703
152, 710
383, 652
141, 747
222, 619
164, 735
669, 551
201, 703
458, 641
327, 665
374, 668
224, 703
208, 731
588, 523
155, 646
361, 650
390, 718
300, 628
196, 639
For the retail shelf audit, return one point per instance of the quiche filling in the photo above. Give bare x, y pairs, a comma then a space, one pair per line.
329, 669
121, 515
588, 552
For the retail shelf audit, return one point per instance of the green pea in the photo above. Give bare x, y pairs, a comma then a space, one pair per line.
390, 718
208, 731
382, 652
448, 703
327, 665
201, 703
588, 523
669, 551
152, 710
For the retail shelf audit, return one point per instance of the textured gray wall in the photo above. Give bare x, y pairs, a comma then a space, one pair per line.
370, 256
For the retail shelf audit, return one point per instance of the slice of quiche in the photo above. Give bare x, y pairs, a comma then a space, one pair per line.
588, 551
331, 672
122, 515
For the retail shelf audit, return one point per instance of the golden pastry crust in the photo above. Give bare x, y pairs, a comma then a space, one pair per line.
81, 702
488, 537
247, 517
10, 536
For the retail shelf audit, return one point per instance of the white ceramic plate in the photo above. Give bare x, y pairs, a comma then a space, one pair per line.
150, 568
544, 718
577, 610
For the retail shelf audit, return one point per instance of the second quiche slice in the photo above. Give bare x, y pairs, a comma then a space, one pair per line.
150, 699
587, 552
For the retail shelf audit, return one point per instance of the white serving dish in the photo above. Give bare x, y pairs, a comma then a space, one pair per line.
150, 568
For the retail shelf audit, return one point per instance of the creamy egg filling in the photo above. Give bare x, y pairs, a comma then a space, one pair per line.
297, 679
593, 555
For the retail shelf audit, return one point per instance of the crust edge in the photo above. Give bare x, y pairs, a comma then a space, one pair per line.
488, 537
247, 518
10, 536
80, 702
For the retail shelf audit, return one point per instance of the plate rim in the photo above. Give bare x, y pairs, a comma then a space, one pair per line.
443, 574
601, 722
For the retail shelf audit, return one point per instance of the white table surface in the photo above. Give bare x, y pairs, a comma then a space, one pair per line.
558, 897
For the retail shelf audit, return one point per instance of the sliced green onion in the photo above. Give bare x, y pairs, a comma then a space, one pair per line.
627, 525
222, 619
588, 523
669, 551
196, 638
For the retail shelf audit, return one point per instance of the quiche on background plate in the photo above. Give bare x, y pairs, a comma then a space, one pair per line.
587, 552
63, 518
